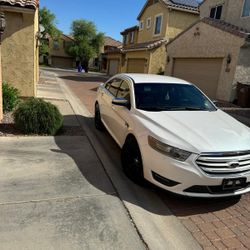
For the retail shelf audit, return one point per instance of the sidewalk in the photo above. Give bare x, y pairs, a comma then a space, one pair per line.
55, 193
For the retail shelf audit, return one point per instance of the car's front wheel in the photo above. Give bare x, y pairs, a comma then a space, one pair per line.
98, 120
132, 161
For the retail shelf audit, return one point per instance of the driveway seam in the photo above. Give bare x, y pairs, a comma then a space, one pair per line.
57, 198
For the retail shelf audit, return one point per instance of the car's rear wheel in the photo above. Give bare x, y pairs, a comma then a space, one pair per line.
132, 161
98, 120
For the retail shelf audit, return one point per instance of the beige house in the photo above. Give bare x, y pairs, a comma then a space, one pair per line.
143, 48
214, 53
100, 62
20, 53
58, 57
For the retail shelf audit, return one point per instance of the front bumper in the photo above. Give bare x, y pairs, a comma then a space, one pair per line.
186, 178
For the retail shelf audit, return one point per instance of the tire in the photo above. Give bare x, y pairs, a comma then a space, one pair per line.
132, 161
98, 121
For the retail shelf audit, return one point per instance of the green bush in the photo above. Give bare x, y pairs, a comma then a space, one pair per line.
10, 97
35, 116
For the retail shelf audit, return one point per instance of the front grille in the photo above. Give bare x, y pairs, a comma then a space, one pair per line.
225, 163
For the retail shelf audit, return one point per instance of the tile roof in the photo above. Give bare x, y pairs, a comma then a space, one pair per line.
109, 41
184, 5
21, 3
146, 45
233, 29
129, 29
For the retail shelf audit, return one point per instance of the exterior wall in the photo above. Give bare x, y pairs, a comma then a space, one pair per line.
146, 34
234, 14
179, 21
211, 43
231, 13
138, 54
19, 51
36, 51
158, 60
126, 42
242, 74
61, 50
206, 6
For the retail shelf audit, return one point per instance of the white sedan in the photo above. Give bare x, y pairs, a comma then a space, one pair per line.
172, 135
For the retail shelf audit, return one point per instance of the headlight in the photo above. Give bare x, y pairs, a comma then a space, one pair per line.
176, 153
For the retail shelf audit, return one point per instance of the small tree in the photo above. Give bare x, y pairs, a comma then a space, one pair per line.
48, 20
87, 41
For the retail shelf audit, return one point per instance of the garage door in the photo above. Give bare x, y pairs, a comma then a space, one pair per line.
62, 62
136, 65
204, 73
113, 67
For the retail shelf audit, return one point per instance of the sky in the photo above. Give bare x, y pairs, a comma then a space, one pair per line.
110, 16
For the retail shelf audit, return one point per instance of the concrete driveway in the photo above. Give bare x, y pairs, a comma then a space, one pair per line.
55, 194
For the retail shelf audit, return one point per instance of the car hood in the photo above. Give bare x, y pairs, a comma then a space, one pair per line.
199, 131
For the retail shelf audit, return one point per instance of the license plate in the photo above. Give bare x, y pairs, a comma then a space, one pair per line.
231, 184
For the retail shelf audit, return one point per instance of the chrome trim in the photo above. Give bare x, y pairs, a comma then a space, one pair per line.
224, 163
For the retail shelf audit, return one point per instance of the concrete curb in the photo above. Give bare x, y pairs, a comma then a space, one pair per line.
156, 225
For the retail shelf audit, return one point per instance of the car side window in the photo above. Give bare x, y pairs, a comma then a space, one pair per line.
124, 91
113, 86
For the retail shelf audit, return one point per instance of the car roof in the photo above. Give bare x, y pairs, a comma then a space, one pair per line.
150, 78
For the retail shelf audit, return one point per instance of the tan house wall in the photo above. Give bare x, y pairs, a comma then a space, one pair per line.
158, 60
231, 13
61, 50
211, 43
179, 21
146, 35
19, 49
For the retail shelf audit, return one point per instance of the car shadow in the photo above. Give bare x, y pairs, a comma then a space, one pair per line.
148, 197
84, 78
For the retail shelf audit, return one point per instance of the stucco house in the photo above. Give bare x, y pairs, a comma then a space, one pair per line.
143, 48
100, 62
214, 53
58, 56
20, 52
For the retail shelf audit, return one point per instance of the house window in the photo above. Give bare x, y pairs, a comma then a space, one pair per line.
141, 25
246, 8
148, 22
125, 39
158, 23
56, 45
132, 37
216, 12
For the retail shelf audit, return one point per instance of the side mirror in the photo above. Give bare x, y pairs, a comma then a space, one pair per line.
121, 102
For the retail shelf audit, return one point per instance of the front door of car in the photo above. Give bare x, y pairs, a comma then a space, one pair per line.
121, 115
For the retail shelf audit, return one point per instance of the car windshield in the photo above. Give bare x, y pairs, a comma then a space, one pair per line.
170, 97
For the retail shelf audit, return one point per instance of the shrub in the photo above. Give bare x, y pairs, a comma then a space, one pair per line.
10, 97
35, 116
